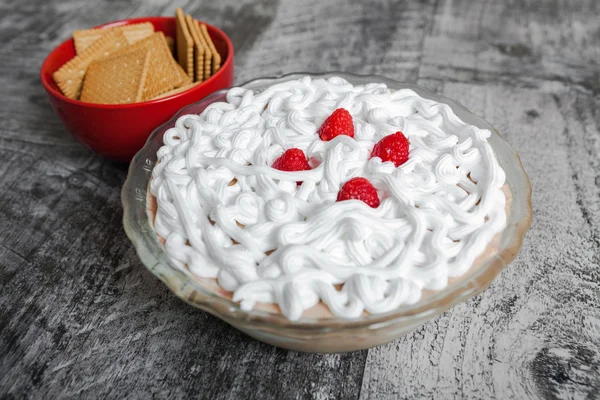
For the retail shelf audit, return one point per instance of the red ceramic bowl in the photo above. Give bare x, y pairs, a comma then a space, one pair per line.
119, 131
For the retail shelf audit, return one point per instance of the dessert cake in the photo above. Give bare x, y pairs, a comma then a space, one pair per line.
316, 194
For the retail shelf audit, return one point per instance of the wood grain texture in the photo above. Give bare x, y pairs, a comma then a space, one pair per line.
534, 332
81, 318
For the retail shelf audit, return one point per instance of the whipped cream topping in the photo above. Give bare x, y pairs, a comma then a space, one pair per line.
226, 214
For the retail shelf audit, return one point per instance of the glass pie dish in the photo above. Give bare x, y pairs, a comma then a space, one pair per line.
323, 334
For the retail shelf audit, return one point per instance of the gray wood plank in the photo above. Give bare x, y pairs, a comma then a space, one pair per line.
81, 317
534, 332
550, 44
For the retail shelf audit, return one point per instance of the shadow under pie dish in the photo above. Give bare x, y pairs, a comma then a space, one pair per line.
325, 316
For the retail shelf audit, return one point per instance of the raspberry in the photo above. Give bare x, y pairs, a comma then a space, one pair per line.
392, 148
292, 160
338, 123
359, 189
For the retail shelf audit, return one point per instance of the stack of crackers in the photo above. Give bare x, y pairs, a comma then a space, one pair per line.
132, 63
196, 52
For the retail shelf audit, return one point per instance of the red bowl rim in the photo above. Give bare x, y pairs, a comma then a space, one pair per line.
129, 21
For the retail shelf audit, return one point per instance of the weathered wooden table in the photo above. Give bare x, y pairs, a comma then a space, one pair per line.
81, 317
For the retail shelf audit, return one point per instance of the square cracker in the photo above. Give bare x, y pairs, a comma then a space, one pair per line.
199, 49
69, 77
208, 54
185, 44
216, 59
134, 32
164, 73
118, 79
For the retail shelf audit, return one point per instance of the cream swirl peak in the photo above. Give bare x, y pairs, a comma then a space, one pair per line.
225, 213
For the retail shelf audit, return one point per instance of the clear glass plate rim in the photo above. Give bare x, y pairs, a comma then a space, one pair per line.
145, 241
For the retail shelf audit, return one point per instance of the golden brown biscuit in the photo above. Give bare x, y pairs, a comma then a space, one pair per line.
164, 73
69, 77
117, 79
134, 32
185, 44
216, 57
199, 49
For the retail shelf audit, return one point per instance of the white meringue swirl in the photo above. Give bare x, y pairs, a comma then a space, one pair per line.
226, 214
